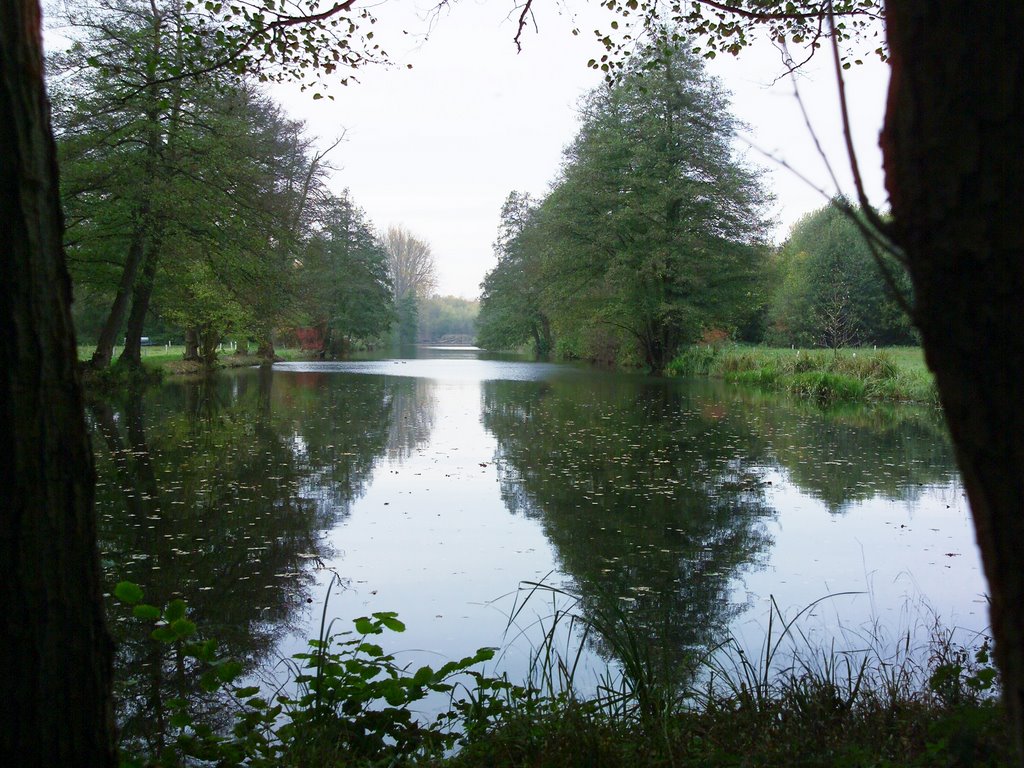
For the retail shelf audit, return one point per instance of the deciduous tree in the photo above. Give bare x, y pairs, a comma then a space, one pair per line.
413, 276
827, 275
511, 314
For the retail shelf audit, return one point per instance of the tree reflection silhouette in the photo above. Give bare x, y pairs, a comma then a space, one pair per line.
217, 491
653, 508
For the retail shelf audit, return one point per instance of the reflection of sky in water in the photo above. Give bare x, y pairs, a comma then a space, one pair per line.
432, 539
451, 369
911, 560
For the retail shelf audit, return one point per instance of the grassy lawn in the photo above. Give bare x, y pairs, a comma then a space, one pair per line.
162, 356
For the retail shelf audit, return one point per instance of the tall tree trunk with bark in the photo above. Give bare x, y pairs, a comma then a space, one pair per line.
56, 708
132, 352
115, 317
191, 344
954, 164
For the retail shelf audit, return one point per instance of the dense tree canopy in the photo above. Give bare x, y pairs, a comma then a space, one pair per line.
511, 314
346, 286
653, 231
829, 291
198, 201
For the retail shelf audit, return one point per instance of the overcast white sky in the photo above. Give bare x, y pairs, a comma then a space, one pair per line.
437, 148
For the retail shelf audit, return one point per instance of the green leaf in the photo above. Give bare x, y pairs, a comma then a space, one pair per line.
229, 670
175, 610
209, 681
423, 676
207, 651
164, 634
372, 650
394, 693
128, 592
390, 621
183, 628
366, 627
146, 612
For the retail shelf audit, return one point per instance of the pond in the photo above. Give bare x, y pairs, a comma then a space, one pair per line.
440, 487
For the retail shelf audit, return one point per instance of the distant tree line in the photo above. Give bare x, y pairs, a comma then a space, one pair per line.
653, 237
447, 319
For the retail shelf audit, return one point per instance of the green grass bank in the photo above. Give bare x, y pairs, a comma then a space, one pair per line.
892, 374
171, 359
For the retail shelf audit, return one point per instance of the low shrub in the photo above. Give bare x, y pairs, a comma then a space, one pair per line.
788, 703
877, 365
740, 361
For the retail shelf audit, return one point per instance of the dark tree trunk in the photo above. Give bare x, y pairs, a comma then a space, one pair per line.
265, 348
542, 342
191, 344
954, 162
115, 318
209, 339
132, 352
56, 708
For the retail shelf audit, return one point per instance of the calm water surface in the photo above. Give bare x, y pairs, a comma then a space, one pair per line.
437, 486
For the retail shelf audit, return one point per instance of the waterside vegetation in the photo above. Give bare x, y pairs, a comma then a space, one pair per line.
892, 374
351, 702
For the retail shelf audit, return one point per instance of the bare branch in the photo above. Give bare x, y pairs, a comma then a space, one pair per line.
862, 197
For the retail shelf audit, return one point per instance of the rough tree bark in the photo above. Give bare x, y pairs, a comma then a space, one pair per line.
115, 317
954, 162
56, 708
132, 353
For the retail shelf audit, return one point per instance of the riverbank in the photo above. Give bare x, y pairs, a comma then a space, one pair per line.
169, 360
891, 374
787, 704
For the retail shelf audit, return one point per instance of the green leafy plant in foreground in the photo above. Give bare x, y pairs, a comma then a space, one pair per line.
351, 704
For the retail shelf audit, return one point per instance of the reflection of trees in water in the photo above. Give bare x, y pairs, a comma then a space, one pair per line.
217, 491
652, 508
651, 492
847, 453
413, 409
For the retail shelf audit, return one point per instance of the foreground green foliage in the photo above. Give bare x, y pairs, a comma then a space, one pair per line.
851, 374
349, 702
